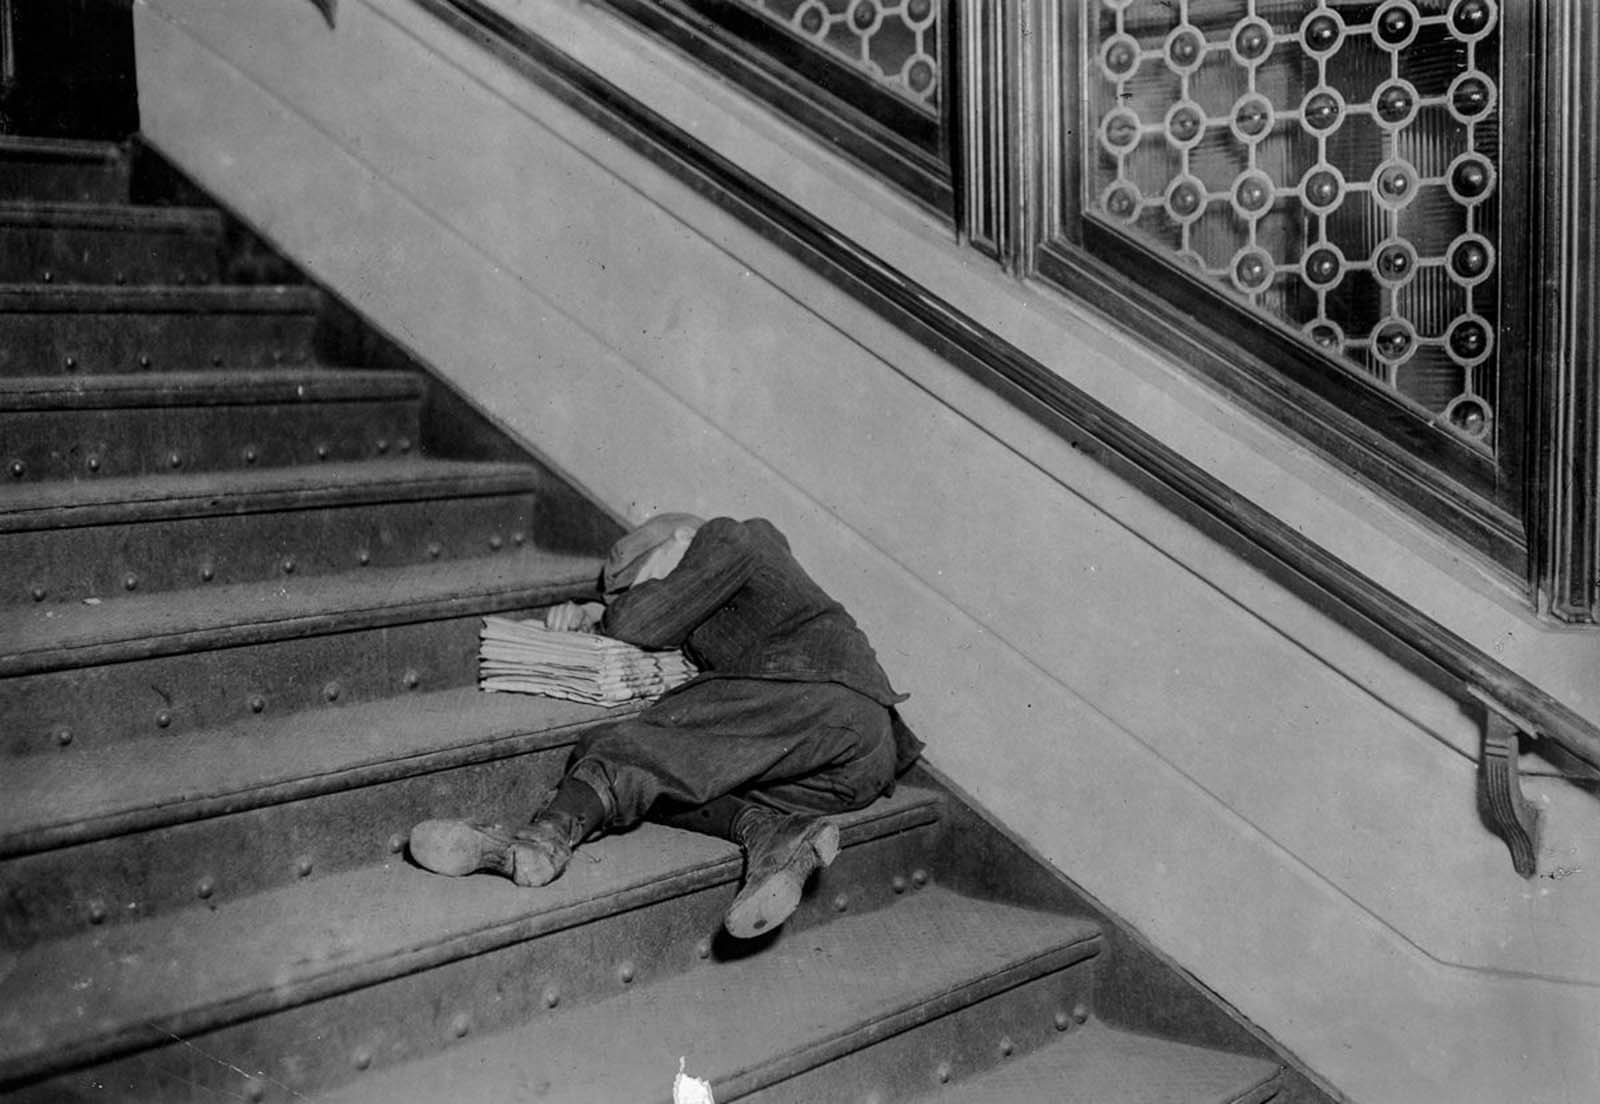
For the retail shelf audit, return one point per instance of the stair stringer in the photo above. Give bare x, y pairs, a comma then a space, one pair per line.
1274, 802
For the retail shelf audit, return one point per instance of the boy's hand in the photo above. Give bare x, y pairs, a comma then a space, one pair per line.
573, 616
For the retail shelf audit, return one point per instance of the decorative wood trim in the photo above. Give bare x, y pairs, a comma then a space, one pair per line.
1507, 810
903, 145
1568, 340
1293, 559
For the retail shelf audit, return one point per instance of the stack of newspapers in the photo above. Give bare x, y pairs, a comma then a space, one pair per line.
525, 657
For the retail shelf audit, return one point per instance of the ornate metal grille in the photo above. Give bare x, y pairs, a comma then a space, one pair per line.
1332, 165
894, 43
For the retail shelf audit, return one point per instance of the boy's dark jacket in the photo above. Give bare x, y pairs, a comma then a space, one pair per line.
741, 606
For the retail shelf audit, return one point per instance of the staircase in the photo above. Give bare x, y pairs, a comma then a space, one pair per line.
242, 585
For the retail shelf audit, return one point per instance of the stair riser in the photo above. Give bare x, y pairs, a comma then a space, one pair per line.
941, 1052
73, 711
52, 181
80, 444
224, 858
65, 565
50, 343
317, 1045
949, 1048
74, 255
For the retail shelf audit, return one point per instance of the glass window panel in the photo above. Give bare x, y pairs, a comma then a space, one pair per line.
1331, 166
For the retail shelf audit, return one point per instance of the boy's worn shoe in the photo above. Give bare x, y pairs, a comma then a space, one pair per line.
534, 855
781, 850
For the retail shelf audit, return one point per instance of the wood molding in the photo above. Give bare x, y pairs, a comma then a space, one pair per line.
894, 140
1567, 344
1293, 559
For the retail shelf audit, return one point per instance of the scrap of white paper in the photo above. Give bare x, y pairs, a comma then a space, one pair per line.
690, 1090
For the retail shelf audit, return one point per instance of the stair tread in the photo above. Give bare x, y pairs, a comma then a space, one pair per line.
110, 987
113, 629
808, 997
299, 383
159, 299
1100, 1064
19, 146
60, 799
144, 218
122, 500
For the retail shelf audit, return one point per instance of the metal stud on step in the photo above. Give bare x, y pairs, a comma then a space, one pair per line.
551, 996
383, 446
361, 1059
38, 592
164, 719
1080, 1013
625, 973
63, 736
404, 444
898, 883
18, 469
72, 363
93, 462
207, 573
1007, 1047
397, 843
1062, 1020
702, 949
249, 454
433, 550
919, 878
302, 866
205, 887
322, 452
97, 912
130, 582
332, 691
495, 542
175, 459
257, 703
48, 276
216, 360
144, 360
942, 1071
288, 565
363, 557
460, 1024
841, 903
410, 679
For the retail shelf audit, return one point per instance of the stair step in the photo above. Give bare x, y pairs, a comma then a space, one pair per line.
806, 999
325, 959
271, 795
173, 423
111, 244
62, 169
157, 666
1099, 1064
118, 330
69, 541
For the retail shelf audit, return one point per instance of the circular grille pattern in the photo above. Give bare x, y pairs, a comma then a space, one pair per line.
1334, 167
894, 43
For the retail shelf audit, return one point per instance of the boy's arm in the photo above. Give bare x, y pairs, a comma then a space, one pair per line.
662, 613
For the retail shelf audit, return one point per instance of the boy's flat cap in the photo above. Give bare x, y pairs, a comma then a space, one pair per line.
628, 554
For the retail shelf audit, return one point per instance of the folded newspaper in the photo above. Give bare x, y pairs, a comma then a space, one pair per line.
525, 657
